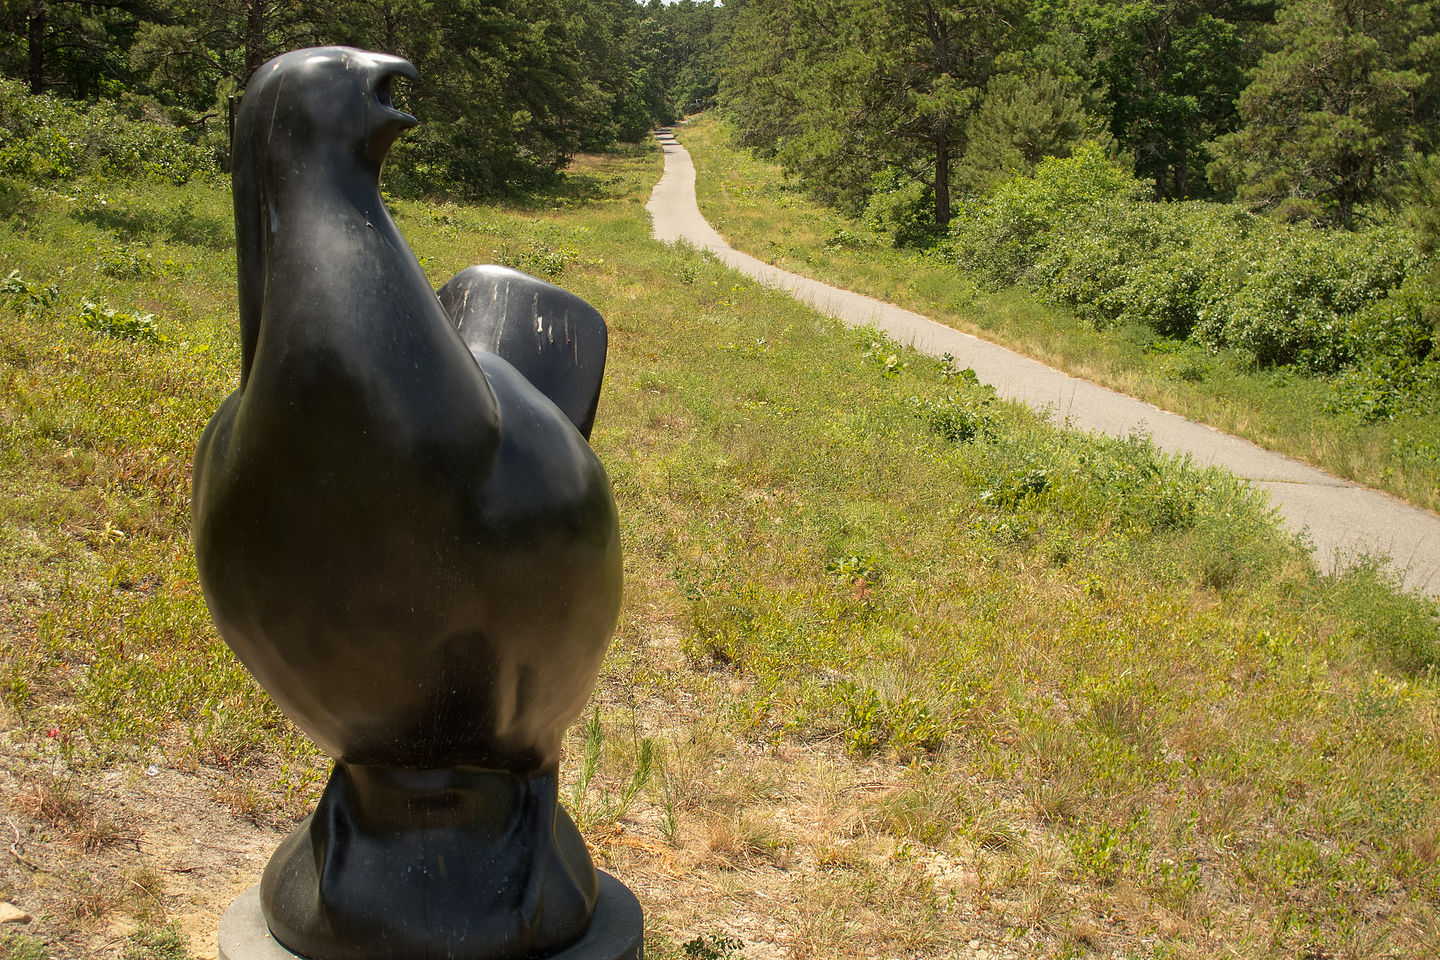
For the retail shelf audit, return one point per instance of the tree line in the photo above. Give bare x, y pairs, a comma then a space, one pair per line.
1315, 110
1310, 109
509, 90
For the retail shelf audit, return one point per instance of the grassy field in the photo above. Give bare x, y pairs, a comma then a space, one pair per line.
902, 671
759, 212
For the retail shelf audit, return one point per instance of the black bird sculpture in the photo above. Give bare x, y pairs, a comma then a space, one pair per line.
403, 533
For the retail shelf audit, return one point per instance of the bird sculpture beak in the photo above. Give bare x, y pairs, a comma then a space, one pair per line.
390, 68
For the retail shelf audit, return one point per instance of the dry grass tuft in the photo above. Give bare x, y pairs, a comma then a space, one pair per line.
58, 802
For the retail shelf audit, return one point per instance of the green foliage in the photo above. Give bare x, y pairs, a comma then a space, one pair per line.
152, 942
793, 85
46, 139
1019, 122
903, 210
716, 946
1282, 295
884, 354
1303, 299
1170, 75
852, 567
907, 724
1400, 628
689, 39
840, 92
1106, 852
25, 296
1395, 339
957, 419
1308, 115
1422, 200
1379, 388
1332, 108
17, 946
82, 49
591, 802
539, 258
1002, 236
120, 324
508, 91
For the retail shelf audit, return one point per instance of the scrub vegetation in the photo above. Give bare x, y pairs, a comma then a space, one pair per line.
902, 670
1317, 343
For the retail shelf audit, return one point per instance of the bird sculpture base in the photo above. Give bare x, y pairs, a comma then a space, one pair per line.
615, 932
463, 862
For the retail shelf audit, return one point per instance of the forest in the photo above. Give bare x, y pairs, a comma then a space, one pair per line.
508, 90
1258, 178
1312, 109
1325, 111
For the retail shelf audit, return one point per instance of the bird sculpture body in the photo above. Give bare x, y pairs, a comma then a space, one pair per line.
406, 540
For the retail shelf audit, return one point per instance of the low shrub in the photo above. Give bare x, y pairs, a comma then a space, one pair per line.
46, 138
1002, 236
1302, 297
1080, 232
132, 325
903, 211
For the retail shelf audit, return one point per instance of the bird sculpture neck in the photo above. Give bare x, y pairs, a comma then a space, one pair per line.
317, 223
329, 180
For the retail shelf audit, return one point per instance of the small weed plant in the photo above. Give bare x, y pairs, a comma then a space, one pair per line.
717, 946
129, 325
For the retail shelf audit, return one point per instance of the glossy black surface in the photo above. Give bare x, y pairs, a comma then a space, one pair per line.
505, 872
411, 547
555, 339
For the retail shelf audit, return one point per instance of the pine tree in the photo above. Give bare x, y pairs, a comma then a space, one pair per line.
843, 90
1332, 109
1040, 107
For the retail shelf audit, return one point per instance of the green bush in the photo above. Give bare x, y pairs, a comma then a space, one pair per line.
1079, 232
903, 210
1380, 388
1188, 268
1404, 325
46, 138
130, 325
1089, 265
957, 419
1299, 302
1002, 236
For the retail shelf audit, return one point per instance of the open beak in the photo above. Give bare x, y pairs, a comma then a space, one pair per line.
392, 67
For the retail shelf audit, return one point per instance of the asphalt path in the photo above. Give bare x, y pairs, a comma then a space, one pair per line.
1342, 521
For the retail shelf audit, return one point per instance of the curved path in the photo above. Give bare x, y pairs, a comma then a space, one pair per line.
1343, 521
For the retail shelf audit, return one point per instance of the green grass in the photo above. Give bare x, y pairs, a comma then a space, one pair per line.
760, 212
900, 666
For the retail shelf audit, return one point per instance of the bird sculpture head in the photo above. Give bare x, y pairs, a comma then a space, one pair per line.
324, 96
321, 116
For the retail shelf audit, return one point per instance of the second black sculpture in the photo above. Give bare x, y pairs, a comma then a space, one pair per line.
402, 531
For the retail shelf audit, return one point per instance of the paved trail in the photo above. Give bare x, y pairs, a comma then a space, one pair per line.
1342, 520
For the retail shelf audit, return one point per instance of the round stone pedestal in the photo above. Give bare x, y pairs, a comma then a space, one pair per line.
616, 931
